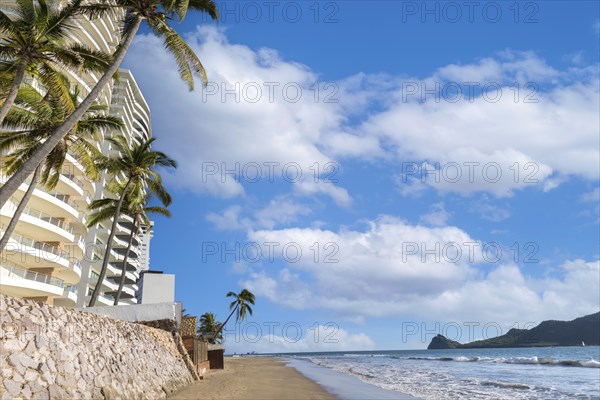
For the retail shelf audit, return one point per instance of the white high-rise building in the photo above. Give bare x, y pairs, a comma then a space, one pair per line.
52, 256
129, 104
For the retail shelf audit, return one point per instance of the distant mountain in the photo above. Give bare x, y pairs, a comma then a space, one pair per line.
546, 334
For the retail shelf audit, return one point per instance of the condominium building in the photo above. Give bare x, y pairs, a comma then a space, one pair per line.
52, 256
128, 104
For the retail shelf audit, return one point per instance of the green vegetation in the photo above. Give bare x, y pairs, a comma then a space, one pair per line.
138, 165
35, 42
210, 328
32, 120
548, 333
241, 306
156, 13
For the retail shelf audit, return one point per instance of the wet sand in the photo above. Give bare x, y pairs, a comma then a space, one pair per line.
260, 378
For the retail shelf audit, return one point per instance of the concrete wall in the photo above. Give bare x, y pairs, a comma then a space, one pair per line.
157, 288
59, 353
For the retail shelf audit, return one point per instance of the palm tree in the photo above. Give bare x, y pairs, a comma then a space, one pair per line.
209, 328
36, 41
138, 164
138, 212
31, 121
240, 306
156, 13
185, 314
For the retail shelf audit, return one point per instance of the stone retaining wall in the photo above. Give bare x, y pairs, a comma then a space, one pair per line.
59, 353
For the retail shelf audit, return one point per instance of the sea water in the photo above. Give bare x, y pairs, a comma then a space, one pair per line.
523, 373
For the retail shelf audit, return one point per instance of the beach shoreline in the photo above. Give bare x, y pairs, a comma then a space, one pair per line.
254, 378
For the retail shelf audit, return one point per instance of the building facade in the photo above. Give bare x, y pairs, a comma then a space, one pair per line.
52, 256
156, 287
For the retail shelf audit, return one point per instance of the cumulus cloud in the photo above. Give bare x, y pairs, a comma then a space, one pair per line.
392, 268
489, 211
496, 125
593, 196
258, 118
339, 195
281, 211
294, 338
519, 122
438, 216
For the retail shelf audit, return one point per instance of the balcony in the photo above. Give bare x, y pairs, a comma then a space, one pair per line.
69, 297
38, 250
109, 285
45, 227
71, 184
21, 282
126, 293
102, 300
53, 202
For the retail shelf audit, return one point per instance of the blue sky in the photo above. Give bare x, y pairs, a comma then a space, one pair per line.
437, 131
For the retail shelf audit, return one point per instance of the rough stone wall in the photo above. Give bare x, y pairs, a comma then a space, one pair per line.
171, 326
188, 326
59, 353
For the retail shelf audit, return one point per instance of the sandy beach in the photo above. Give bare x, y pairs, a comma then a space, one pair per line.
254, 378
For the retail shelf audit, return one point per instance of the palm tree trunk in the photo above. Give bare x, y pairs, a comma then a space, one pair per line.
19, 176
15, 219
124, 268
12, 93
113, 230
224, 323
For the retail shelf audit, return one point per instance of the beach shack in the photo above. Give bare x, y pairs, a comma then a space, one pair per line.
197, 349
216, 354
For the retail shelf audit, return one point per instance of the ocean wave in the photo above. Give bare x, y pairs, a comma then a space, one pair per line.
364, 355
508, 385
590, 364
517, 360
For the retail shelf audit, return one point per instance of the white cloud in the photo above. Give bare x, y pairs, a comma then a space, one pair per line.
257, 111
339, 195
378, 272
480, 144
438, 216
593, 196
281, 211
489, 211
516, 142
293, 338
229, 219
510, 66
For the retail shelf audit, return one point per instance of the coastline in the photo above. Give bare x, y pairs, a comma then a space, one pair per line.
267, 378
345, 386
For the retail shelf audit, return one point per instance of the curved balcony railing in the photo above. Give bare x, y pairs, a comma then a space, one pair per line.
73, 179
32, 212
7, 269
48, 248
65, 198
72, 289
62, 197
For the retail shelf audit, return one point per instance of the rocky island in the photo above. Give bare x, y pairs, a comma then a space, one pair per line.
548, 333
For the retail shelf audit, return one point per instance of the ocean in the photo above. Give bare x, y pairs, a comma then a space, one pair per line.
523, 373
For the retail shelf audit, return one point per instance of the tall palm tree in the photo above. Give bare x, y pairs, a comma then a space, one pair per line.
36, 41
240, 306
31, 121
138, 163
105, 209
156, 13
209, 328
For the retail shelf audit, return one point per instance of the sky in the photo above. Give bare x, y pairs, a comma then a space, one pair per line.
377, 172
